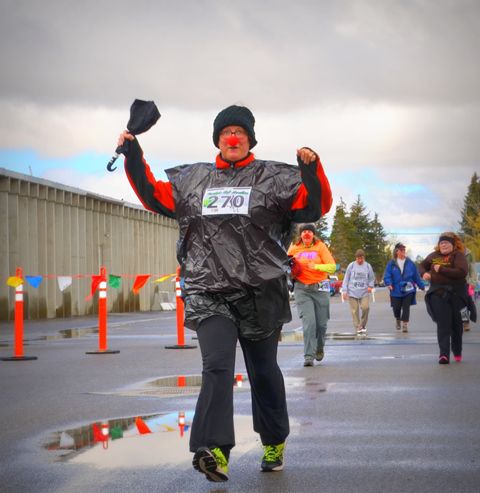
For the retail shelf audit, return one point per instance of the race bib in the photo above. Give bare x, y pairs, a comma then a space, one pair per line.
359, 284
226, 200
324, 286
408, 287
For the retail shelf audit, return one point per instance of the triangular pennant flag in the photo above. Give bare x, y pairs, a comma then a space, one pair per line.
163, 278
14, 281
116, 432
64, 282
142, 427
98, 436
34, 280
96, 280
114, 281
140, 282
66, 440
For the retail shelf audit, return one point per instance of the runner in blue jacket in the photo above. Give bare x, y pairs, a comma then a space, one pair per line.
402, 279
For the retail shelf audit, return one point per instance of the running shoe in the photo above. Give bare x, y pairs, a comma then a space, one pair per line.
212, 463
308, 362
273, 457
319, 355
443, 360
458, 358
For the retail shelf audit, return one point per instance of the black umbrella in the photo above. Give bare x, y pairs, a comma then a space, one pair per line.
143, 115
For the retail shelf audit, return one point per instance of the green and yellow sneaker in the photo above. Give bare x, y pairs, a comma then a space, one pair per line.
212, 463
273, 457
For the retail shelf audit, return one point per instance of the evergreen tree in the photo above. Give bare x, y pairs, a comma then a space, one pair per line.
342, 236
353, 230
470, 220
359, 220
376, 247
322, 226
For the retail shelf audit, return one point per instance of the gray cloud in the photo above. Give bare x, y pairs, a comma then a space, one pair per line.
275, 55
387, 86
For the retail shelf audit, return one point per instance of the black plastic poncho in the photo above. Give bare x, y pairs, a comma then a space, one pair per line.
233, 226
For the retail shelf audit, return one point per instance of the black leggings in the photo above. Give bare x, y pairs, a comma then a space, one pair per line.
401, 307
213, 420
449, 324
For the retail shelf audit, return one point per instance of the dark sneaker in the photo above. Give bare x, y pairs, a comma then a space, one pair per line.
404, 326
443, 360
398, 324
308, 362
273, 457
319, 355
212, 463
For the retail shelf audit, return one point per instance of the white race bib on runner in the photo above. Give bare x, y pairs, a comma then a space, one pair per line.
324, 286
226, 200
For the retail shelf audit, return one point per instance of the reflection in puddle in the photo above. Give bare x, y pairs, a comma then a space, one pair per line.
297, 336
77, 439
176, 385
71, 334
152, 440
310, 384
61, 334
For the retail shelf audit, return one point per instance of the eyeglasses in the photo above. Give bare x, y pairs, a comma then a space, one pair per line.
239, 132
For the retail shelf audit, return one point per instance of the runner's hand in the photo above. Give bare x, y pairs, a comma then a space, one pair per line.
125, 135
306, 155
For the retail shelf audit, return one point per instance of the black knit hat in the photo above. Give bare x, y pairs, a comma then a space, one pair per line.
235, 115
305, 227
447, 237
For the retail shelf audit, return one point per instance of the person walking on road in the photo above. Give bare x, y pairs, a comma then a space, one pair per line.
312, 264
447, 297
358, 283
234, 216
402, 279
472, 279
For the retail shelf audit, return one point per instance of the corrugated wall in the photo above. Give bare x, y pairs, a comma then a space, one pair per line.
51, 230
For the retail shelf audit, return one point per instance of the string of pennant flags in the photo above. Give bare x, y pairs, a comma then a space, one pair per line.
114, 281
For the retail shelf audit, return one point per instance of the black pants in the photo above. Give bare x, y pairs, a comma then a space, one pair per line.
449, 324
213, 420
401, 307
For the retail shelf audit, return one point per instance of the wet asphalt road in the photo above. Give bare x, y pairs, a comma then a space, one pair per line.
377, 415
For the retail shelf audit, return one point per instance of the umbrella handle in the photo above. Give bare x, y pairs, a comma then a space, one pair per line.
119, 150
112, 160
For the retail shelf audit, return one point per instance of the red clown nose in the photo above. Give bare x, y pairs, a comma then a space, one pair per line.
232, 141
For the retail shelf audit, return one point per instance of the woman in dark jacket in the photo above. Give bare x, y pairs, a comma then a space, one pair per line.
402, 278
446, 269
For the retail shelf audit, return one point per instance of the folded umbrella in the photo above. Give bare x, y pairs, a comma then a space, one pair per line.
143, 115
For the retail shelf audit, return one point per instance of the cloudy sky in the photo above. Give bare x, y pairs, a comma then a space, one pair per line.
386, 91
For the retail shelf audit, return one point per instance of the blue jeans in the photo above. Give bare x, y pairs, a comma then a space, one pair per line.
314, 309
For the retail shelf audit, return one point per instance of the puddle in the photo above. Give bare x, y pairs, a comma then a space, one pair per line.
61, 334
145, 441
173, 386
309, 384
70, 334
189, 385
297, 336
